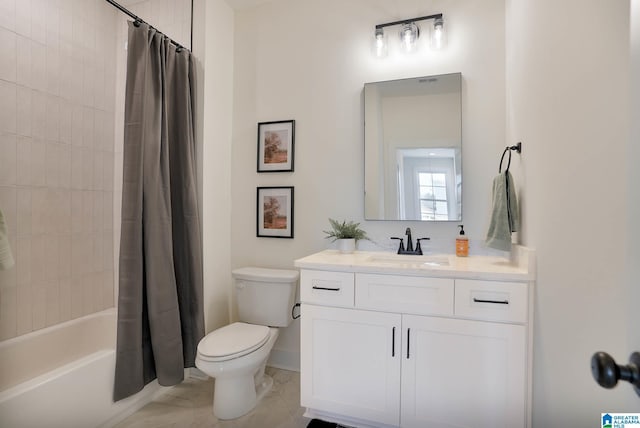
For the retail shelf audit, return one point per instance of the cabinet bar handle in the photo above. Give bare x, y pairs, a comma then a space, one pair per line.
499, 302
408, 341
325, 288
393, 342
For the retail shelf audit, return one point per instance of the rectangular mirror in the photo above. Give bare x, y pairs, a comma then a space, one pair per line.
413, 149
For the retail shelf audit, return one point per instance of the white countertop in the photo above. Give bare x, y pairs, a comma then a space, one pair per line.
521, 266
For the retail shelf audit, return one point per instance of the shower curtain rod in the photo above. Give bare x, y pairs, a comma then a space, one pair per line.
137, 19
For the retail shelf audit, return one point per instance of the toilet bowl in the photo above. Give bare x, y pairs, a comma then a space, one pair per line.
240, 381
236, 355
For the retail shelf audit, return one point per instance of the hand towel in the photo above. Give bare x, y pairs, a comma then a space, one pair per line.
6, 258
505, 217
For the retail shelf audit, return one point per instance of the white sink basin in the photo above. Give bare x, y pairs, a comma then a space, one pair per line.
404, 260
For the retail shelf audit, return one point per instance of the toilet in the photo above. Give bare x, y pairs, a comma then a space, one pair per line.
236, 355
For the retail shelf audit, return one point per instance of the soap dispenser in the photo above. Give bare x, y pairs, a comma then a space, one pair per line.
462, 243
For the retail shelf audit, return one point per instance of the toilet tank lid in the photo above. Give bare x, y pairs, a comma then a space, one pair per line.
265, 274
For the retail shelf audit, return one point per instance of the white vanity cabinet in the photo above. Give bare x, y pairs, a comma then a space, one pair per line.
461, 373
348, 363
421, 349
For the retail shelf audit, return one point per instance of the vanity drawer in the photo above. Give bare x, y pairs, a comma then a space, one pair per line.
491, 300
405, 294
327, 288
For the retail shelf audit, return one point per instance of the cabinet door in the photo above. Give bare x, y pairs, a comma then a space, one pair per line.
459, 373
350, 363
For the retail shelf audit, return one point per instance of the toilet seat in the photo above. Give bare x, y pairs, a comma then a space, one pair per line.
232, 341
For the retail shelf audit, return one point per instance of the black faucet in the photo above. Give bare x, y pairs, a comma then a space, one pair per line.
409, 242
410, 250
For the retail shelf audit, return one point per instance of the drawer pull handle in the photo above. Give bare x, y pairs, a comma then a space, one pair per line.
325, 288
393, 342
408, 341
499, 302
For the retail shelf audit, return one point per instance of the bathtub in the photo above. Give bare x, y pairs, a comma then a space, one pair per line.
62, 376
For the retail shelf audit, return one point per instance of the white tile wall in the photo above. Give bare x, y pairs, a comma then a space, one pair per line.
8, 97
23, 111
62, 78
7, 14
8, 42
8, 164
23, 17
57, 114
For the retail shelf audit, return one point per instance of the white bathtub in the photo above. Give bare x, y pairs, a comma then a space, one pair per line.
62, 376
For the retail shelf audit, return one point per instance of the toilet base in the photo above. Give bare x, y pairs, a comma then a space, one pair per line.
264, 387
240, 395
239, 383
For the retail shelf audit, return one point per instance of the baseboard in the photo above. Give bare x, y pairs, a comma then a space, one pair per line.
283, 359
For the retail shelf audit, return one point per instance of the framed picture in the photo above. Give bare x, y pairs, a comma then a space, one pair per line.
275, 146
275, 212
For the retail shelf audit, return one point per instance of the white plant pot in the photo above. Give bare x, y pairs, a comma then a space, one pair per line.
346, 246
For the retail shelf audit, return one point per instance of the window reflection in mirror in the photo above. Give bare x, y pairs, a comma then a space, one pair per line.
413, 149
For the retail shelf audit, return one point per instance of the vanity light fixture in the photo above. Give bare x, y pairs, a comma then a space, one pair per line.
380, 43
438, 35
409, 34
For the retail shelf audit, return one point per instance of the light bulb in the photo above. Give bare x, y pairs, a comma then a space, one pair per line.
380, 44
438, 36
409, 35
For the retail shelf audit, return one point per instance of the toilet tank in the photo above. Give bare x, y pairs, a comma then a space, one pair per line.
265, 296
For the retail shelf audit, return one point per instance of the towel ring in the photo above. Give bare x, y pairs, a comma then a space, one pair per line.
502, 158
517, 148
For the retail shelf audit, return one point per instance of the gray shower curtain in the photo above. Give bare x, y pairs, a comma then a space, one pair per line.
160, 307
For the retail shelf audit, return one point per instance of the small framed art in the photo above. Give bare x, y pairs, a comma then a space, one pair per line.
275, 146
275, 212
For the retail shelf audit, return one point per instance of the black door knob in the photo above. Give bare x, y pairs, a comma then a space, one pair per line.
607, 373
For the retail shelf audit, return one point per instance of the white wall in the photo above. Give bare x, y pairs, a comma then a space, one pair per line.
213, 48
633, 176
568, 101
552, 81
308, 61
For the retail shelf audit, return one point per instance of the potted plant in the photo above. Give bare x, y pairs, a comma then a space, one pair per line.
346, 233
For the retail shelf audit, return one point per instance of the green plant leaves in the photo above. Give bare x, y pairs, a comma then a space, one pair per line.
345, 230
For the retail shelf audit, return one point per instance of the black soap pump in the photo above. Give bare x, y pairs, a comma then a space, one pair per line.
462, 243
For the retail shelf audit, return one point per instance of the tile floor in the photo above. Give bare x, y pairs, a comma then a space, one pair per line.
190, 405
